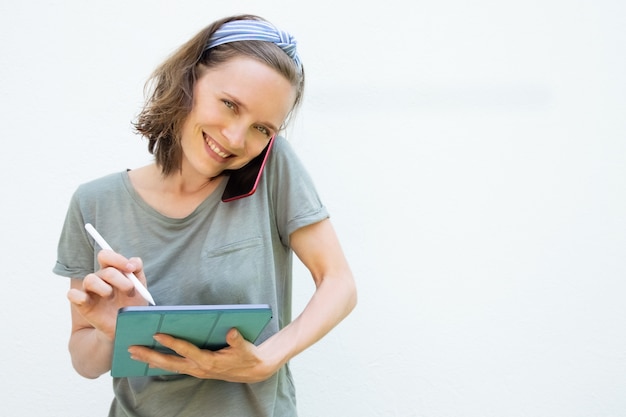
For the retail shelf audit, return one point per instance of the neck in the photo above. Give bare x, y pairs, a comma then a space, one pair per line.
175, 195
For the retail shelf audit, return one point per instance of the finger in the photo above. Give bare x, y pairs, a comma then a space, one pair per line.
137, 269
117, 279
182, 347
94, 283
108, 258
77, 297
158, 360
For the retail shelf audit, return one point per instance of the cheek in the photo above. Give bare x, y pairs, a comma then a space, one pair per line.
187, 134
255, 147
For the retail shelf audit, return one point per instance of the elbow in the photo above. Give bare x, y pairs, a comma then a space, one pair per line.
351, 295
354, 298
84, 366
86, 375
83, 369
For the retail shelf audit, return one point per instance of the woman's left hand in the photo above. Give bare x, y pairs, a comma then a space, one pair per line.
240, 361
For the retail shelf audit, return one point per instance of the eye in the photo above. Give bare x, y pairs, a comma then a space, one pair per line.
264, 130
229, 104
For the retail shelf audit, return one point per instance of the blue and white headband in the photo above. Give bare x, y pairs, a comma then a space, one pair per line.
255, 30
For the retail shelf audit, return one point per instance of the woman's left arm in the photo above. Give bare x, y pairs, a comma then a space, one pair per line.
318, 247
319, 250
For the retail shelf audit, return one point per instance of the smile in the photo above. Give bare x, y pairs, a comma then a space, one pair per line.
215, 148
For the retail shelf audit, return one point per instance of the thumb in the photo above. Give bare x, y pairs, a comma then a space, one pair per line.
233, 337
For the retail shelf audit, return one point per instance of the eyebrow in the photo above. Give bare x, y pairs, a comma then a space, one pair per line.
243, 106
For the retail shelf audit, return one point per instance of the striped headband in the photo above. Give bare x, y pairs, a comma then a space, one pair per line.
255, 30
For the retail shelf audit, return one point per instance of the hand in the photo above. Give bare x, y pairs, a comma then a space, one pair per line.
99, 296
238, 362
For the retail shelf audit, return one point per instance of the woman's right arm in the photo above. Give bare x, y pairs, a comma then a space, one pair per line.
91, 349
95, 301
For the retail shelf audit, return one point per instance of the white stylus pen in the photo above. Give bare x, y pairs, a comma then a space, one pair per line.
104, 245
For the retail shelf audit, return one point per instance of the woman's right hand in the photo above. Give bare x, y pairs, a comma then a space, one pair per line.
98, 297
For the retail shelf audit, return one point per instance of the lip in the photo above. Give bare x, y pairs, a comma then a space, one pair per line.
215, 149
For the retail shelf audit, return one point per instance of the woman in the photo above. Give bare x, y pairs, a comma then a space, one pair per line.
214, 106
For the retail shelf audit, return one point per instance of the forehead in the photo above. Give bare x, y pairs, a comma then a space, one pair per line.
248, 80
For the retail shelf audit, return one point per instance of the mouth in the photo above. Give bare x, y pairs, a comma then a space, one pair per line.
221, 152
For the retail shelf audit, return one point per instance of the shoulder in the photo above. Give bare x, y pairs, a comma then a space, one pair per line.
100, 186
285, 165
283, 156
282, 147
104, 181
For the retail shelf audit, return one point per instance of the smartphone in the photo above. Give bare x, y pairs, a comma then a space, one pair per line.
242, 182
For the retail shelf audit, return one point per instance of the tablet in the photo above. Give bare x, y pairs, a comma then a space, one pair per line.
203, 325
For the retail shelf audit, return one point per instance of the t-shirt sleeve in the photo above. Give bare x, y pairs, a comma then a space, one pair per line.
296, 201
75, 252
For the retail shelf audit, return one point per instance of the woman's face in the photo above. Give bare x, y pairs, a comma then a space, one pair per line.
237, 106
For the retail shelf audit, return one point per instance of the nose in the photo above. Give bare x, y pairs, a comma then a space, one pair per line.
235, 134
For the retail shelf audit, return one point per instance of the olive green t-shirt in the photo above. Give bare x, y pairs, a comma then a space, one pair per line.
222, 253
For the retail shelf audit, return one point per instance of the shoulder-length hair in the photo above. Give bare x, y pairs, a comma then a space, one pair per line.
169, 90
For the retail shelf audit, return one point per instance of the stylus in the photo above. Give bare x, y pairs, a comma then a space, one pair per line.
104, 245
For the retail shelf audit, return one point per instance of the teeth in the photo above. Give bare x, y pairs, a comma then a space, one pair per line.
217, 150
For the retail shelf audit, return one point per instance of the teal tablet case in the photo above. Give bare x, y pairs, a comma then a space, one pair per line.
203, 325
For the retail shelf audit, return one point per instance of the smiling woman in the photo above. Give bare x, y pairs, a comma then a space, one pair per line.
232, 119
216, 106
173, 82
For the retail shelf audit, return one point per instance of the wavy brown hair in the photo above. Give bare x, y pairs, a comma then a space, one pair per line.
169, 90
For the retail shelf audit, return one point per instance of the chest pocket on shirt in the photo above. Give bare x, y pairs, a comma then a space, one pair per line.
232, 272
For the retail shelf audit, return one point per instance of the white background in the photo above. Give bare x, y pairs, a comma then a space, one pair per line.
472, 155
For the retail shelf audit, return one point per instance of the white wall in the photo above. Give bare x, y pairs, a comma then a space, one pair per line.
473, 155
